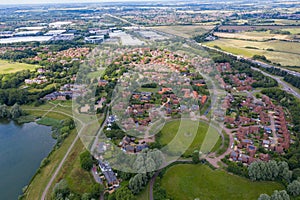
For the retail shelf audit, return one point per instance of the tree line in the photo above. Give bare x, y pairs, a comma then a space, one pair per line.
293, 80
13, 113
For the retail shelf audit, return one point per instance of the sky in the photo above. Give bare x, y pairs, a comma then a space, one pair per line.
58, 1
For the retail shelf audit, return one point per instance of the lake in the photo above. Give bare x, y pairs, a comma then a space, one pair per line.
22, 148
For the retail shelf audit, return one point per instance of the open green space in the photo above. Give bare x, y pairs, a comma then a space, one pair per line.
96, 74
178, 134
285, 53
48, 121
35, 90
79, 180
7, 67
187, 181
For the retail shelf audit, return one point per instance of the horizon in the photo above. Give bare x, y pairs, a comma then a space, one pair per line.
39, 2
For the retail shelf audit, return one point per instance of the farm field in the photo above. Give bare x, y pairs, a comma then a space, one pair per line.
285, 53
292, 30
7, 67
184, 31
187, 181
177, 132
255, 35
280, 22
236, 28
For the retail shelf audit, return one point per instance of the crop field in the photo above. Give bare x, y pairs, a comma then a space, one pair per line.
236, 28
186, 181
255, 35
7, 67
295, 31
285, 53
184, 31
280, 22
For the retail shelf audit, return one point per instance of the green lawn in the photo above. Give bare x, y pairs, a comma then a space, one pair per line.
47, 121
7, 67
34, 90
96, 74
189, 182
179, 135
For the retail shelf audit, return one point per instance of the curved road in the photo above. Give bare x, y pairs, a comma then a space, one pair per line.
285, 86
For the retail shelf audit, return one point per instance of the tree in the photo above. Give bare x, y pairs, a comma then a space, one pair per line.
264, 197
296, 173
86, 196
280, 195
16, 111
137, 183
150, 165
195, 157
86, 160
96, 191
285, 173
124, 193
61, 189
4, 112
269, 171
294, 188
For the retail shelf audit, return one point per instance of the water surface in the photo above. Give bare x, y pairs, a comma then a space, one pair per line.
22, 148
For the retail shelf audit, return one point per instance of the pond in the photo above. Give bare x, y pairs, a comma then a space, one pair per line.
22, 148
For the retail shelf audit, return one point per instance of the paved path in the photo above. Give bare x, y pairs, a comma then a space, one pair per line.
214, 161
67, 153
58, 169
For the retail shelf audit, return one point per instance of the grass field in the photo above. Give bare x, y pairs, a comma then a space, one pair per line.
285, 53
184, 31
48, 121
7, 67
96, 74
79, 180
33, 90
294, 31
189, 182
178, 135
